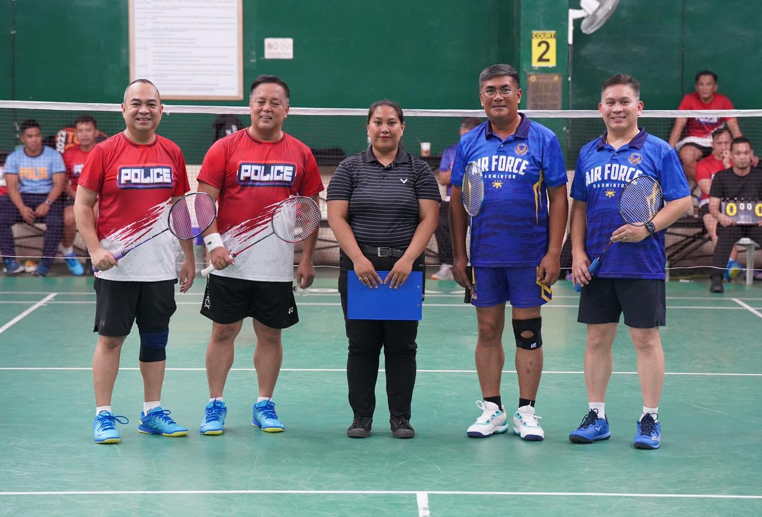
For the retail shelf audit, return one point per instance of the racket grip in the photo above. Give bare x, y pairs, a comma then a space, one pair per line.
205, 272
594, 267
578, 288
117, 256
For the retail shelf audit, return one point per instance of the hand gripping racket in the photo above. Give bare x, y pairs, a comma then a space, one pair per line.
473, 198
293, 220
188, 218
640, 201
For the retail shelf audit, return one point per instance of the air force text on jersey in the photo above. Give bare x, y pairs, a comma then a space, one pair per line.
499, 163
599, 176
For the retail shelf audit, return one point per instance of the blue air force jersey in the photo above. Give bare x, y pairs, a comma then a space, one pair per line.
600, 176
512, 228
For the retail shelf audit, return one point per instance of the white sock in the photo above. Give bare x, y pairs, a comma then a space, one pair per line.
102, 408
653, 410
148, 406
69, 250
600, 406
218, 399
260, 399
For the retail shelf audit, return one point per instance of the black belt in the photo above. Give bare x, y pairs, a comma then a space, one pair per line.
382, 252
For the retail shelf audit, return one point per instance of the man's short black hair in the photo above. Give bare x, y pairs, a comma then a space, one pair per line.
721, 131
739, 140
29, 123
703, 73
274, 79
499, 70
470, 122
86, 119
623, 79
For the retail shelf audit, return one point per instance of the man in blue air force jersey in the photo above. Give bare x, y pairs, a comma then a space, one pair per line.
515, 244
631, 276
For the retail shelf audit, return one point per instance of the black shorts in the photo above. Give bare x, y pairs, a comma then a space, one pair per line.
643, 302
119, 304
229, 300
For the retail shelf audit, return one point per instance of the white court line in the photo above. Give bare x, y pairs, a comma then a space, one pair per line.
382, 492
343, 370
26, 312
748, 307
423, 504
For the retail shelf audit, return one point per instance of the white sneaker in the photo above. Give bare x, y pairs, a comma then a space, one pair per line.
444, 273
525, 424
492, 421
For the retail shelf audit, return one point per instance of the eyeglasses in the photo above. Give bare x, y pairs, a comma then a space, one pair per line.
504, 92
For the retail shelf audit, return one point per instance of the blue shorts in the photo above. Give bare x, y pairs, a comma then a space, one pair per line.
517, 285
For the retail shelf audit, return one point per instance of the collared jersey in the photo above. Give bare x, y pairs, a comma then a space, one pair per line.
383, 200
600, 176
253, 177
512, 229
74, 158
35, 172
135, 184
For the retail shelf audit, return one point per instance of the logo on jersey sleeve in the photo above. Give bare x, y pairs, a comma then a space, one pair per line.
266, 174
142, 177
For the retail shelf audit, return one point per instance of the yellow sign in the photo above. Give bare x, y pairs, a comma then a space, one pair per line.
543, 48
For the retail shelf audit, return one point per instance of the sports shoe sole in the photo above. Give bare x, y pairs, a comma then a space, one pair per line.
497, 430
145, 430
645, 446
529, 437
581, 439
269, 429
109, 440
358, 433
212, 433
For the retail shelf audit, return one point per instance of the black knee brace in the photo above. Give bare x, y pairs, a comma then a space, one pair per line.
153, 346
532, 342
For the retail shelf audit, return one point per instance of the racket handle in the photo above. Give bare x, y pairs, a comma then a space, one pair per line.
578, 288
205, 272
594, 267
117, 256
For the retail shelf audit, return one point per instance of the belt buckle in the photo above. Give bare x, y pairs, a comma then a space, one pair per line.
384, 252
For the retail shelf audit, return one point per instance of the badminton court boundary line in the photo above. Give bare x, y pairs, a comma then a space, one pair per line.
27, 312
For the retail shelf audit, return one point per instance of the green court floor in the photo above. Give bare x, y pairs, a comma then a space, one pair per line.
709, 463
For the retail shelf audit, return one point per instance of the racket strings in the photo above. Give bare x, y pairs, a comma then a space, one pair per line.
641, 200
473, 190
191, 215
296, 219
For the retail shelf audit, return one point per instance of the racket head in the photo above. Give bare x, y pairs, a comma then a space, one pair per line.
191, 215
641, 200
295, 219
473, 189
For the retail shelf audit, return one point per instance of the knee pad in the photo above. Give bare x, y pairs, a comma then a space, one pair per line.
153, 346
534, 326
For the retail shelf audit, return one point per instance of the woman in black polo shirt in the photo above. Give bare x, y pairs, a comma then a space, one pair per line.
383, 207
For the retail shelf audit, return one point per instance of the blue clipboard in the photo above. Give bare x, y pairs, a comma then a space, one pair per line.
383, 302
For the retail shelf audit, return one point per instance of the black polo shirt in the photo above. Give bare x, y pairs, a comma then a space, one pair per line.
383, 201
729, 185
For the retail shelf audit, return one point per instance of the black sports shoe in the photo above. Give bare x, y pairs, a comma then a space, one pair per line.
401, 427
716, 286
360, 427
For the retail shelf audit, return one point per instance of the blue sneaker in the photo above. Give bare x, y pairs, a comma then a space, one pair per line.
12, 267
43, 268
733, 270
266, 418
214, 418
591, 429
158, 421
649, 433
104, 428
74, 266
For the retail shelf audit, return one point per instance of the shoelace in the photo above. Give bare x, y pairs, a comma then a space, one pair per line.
647, 424
589, 419
530, 419
363, 422
268, 410
106, 421
214, 413
162, 415
401, 423
487, 414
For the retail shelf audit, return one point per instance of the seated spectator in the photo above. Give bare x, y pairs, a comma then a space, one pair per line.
35, 176
740, 182
718, 161
444, 243
698, 140
74, 159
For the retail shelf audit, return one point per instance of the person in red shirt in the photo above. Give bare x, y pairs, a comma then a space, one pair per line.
134, 176
718, 161
698, 140
249, 173
74, 159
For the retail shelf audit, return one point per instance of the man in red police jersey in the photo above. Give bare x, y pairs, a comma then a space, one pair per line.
133, 175
250, 172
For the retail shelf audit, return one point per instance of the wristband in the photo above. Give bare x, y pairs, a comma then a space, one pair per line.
650, 227
213, 241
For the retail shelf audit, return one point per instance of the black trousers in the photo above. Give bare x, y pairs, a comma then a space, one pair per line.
442, 233
367, 338
727, 236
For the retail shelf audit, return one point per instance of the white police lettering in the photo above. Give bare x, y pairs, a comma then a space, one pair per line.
266, 174
611, 172
145, 177
77, 169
